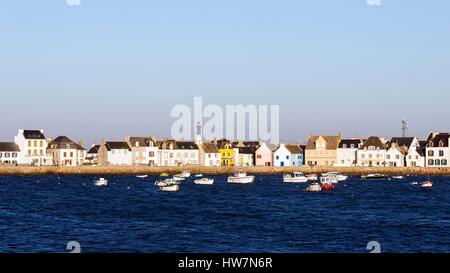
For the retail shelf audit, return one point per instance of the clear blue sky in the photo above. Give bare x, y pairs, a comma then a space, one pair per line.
107, 68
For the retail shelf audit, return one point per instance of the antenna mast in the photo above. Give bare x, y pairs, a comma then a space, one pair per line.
404, 127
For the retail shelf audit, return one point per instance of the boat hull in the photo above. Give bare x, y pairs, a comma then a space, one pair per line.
170, 188
204, 182
241, 180
295, 180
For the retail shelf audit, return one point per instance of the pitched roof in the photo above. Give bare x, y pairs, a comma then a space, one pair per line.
439, 140
63, 142
33, 134
247, 150
117, 145
294, 148
177, 145
332, 142
210, 148
94, 149
356, 142
138, 142
373, 141
402, 141
9, 147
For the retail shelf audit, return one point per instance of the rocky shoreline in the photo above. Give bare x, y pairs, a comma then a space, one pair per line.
134, 170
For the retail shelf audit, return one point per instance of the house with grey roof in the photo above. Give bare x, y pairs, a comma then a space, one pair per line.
346, 152
373, 152
144, 150
66, 152
10, 154
178, 153
114, 153
288, 155
92, 155
209, 154
438, 150
33, 147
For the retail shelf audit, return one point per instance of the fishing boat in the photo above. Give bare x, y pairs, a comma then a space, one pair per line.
397, 177
312, 177
142, 176
327, 185
374, 177
241, 177
185, 174
101, 182
199, 175
164, 175
314, 187
204, 181
296, 177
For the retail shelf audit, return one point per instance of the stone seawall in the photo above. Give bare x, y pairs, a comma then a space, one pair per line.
98, 170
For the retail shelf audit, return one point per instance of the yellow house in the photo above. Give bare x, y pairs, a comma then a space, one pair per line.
226, 152
322, 150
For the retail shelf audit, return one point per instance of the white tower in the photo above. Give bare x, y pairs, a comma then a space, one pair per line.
198, 134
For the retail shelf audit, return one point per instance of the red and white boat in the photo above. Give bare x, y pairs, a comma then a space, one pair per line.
327, 184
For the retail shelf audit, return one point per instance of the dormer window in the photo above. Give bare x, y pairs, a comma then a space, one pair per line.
67, 146
352, 146
441, 143
344, 146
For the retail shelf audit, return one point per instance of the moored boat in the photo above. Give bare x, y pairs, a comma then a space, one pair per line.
199, 175
314, 187
185, 174
101, 182
374, 177
426, 185
164, 175
142, 176
170, 188
204, 181
327, 185
397, 177
178, 178
312, 177
241, 177
166, 182
296, 177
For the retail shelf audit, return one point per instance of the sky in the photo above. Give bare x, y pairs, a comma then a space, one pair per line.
106, 69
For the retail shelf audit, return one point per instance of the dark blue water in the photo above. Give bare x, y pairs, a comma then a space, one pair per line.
42, 214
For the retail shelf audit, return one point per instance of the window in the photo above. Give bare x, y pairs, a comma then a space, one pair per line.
277, 157
35, 143
441, 153
65, 154
151, 154
259, 156
41, 152
388, 156
7, 155
441, 143
397, 157
430, 162
41, 144
352, 146
287, 157
1, 154
29, 143
344, 146
430, 153
444, 162
71, 154
437, 162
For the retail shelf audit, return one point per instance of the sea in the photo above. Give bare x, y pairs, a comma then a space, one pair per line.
51, 214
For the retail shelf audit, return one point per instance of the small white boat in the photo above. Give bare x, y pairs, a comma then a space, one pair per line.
199, 175
426, 185
178, 178
338, 176
312, 177
170, 188
204, 181
374, 177
415, 183
241, 177
169, 185
397, 177
297, 177
314, 187
101, 182
142, 176
185, 174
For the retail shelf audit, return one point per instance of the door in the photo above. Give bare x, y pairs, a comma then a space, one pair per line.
282, 164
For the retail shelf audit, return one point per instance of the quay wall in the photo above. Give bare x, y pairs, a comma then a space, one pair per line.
134, 170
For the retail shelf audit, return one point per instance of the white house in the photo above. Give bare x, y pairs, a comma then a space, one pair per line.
288, 155
416, 157
115, 153
372, 153
209, 155
66, 152
438, 150
33, 147
178, 153
346, 152
10, 153
144, 150
92, 155
398, 149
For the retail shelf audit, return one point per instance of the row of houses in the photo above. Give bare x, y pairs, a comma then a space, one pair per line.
31, 147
